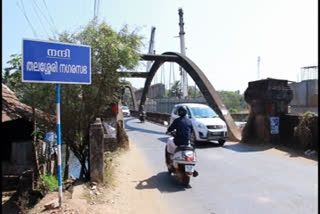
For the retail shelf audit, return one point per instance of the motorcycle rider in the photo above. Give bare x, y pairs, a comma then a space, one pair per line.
183, 127
142, 114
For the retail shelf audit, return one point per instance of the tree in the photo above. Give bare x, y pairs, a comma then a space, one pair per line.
194, 92
81, 104
175, 90
234, 101
110, 51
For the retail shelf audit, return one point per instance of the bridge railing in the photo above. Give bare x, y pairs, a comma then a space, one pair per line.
156, 117
161, 118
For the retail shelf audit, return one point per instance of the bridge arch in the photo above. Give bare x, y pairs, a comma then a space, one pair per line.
133, 96
203, 84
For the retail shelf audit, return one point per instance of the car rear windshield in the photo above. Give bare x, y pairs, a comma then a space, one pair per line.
203, 112
125, 108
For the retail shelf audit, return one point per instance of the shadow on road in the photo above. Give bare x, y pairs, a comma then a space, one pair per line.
205, 145
131, 128
291, 152
163, 182
163, 139
247, 148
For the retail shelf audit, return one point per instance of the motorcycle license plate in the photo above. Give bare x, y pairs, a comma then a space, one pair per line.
189, 168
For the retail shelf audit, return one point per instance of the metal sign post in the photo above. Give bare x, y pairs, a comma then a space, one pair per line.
56, 62
59, 144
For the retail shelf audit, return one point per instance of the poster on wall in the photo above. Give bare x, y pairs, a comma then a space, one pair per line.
274, 125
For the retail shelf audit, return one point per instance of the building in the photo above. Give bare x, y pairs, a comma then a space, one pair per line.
305, 96
16, 138
155, 91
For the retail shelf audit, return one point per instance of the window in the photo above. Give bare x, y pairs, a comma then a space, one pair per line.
175, 110
203, 112
188, 112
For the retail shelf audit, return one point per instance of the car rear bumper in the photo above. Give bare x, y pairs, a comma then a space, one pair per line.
221, 135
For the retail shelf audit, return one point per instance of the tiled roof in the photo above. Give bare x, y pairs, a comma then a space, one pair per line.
13, 109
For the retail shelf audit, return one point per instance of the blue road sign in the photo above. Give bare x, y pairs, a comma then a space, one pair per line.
56, 62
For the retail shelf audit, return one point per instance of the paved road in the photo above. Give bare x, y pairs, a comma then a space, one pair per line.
233, 179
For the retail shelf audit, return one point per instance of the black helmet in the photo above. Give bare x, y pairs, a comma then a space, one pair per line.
182, 111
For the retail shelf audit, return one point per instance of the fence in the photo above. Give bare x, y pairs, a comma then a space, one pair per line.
305, 97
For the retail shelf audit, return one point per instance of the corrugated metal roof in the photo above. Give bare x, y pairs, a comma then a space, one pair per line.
13, 109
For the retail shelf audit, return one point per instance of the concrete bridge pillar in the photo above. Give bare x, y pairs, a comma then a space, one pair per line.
96, 149
268, 99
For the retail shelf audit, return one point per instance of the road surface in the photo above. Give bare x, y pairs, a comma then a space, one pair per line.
233, 179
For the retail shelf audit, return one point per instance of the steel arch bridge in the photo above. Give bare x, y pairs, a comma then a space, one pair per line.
133, 96
198, 77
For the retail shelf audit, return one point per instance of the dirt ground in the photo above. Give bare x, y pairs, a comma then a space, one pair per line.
118, 197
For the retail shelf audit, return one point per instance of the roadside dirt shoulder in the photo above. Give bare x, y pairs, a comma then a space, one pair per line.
120, 197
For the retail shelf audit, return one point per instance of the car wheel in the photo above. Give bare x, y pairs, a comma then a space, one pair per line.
221, 142
193, 139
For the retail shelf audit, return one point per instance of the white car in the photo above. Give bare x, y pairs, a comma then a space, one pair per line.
207, 125
125, 111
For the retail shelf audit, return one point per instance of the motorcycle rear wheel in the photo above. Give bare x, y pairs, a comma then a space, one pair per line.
185, 180
168, 162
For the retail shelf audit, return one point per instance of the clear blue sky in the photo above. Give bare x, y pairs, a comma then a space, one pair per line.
224, 38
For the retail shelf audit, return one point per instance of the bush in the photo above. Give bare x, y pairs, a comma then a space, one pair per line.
51, 182
303, 131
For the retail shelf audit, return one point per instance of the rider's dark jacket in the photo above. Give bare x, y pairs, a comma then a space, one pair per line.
183, 126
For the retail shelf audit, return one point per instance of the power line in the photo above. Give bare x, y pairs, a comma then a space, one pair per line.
26, 17
50, 17
39, 18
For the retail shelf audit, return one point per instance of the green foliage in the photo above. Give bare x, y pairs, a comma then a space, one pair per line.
303, 131
50, 182
194, 92
234, 101
175, 90
309, 114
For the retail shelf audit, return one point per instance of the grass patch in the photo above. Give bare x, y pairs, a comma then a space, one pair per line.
51, 182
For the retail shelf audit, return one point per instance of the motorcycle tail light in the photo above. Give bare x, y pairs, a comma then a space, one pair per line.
189, 158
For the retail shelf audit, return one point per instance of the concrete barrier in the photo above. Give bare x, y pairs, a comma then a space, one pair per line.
96, 149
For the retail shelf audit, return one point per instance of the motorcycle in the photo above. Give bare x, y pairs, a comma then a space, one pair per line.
142, 116
182, 162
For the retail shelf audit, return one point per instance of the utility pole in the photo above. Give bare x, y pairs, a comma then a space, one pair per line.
258, 70
184, 75
151, 46
96, 8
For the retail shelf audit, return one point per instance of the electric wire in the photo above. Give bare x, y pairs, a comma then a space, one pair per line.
26, 17
50, 17
39, 18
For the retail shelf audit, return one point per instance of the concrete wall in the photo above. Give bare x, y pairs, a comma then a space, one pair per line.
305, 97
21, 158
